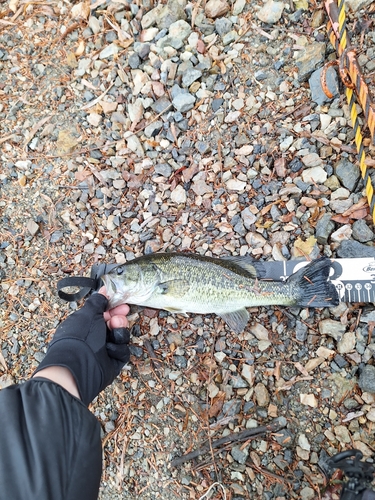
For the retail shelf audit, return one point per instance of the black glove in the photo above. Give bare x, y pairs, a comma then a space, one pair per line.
89, 349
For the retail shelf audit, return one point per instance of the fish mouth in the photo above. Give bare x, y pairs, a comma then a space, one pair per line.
109, 284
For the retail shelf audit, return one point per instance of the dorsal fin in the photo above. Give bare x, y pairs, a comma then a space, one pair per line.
255, 268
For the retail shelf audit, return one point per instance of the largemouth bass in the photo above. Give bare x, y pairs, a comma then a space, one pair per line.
183, 282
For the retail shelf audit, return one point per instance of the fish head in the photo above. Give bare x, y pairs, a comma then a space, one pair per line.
129, 283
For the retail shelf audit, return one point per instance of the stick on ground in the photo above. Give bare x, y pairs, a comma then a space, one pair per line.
275, 425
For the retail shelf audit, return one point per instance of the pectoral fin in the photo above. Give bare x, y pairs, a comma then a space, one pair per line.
236, 320
173, 310
174, 288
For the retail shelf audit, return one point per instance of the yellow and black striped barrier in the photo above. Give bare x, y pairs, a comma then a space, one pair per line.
355, 85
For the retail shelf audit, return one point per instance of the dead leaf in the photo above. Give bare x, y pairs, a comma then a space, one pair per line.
304, 248
313, 363
340, 219
71, 60
3, 362
217, 404
80, 49
66, 142
189, 172
35, 129
301, 368
82, 175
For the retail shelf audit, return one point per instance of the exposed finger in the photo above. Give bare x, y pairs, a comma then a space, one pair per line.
117, 322
122, 310
103, 291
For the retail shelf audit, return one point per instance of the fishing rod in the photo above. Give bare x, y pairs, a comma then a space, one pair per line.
358, 475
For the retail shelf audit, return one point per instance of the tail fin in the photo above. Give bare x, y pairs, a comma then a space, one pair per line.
315, 289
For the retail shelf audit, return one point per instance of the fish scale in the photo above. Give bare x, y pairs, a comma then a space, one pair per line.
182, 283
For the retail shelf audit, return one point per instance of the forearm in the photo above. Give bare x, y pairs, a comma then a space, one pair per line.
61, 376
50, 444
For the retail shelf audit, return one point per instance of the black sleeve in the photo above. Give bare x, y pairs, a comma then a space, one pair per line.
50, 446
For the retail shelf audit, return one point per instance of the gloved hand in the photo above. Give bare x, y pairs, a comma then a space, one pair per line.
85, 345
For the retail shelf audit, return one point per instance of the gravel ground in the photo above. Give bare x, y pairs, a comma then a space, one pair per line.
128, 129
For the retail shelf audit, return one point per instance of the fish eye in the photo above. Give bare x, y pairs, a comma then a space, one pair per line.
120, 270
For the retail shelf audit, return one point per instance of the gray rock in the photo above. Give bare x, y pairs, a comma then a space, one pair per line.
191, 76
183, 102
161, 105
248, 218
317, 94
301, 331
170, 13
356, 5
240, 455
118, 117
217, 103
142, 49
332, 328
180, 361
153, 129
134, 61
324, 229
177, 90
223, 26
309, 58
347, 173
56, 236
230, 408
163, 169
367, 379
351, 248
361, 231
202, 147
238, 382
285, 437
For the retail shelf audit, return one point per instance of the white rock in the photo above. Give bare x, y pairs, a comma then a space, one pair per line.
220, 356
325, 120
343, 233
135, 110
94, 24
286, 143
255, 240
178, 195
340, 194
134, 144
238, 7
314, 175
271, 12
259, 331
248, 373
149, 34
109, 51
94, 119
347, 343
235, 185
303, 442
312, 160
232, 116
245, 150
139, 80
238, 104
212, 389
